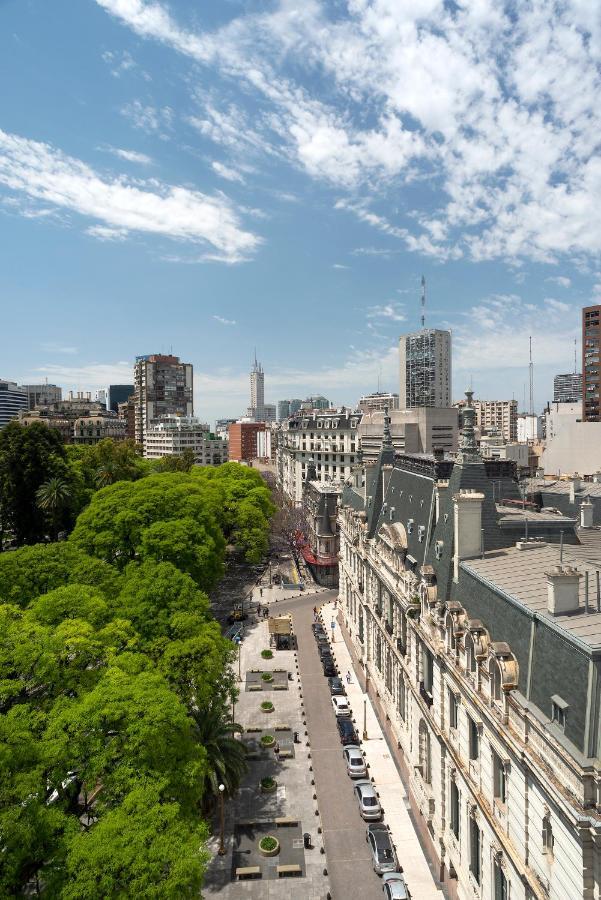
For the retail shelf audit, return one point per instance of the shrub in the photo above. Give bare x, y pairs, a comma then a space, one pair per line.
267, 706
267, 740
267, 654
267, 676
268, 843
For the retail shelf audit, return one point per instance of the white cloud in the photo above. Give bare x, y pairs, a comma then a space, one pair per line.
392, 311
151, 119
223, 321
131, 156
494, 109
227, 172
119, 63
560, 280
118, 205
339, 266
53, 347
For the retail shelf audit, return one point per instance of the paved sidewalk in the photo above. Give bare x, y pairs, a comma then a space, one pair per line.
393, 795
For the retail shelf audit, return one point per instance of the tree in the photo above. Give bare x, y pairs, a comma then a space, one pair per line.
197, 662
226, 756
107, 462
177, 462
30, 456
143, 848
54, 497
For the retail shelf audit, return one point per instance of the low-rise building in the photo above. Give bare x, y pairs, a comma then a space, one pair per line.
93, 429
480, 640
322, 542
329, 438
173, 435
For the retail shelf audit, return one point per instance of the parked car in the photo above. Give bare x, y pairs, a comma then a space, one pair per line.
317, 626
328, 666
336, 685
395, 887
321, 638
346, 730
355, 764
341, 706
369, 805
324, 650
325, 653
382, 850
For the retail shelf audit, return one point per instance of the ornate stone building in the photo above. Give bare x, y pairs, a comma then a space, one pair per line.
480, 640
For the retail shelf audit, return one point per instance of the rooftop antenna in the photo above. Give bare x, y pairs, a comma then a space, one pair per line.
423, 302
575, 356
379, 377
531, 374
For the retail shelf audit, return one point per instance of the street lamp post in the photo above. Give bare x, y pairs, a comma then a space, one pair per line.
239, 662
221, 850
365, 720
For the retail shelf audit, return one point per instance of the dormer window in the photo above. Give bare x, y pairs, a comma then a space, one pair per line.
559, 709
421, 532
410, 526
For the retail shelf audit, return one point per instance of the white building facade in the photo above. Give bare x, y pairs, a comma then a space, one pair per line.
175, 434
425, 368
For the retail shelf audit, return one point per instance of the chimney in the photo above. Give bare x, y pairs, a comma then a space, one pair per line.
562, 590
597, 478
467, 526
586, 514
574, 487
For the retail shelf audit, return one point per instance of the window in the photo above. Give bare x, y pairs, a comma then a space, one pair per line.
548, 839
501, 892
401, 699
499, 774
474, 734
455, 805
475, 848
559, 710
379, 653
452, 709
425, 755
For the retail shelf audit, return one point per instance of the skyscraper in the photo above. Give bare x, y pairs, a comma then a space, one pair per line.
119, 393
163, 387
591, 363
257, 390
425, 368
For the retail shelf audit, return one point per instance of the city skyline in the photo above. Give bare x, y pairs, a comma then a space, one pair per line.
188, 191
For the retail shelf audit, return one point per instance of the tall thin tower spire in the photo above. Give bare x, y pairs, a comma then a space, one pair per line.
423, 302
531, 375
575, 347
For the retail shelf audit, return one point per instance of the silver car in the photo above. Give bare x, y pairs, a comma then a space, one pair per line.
394, 886
369, 805
341, 706
355, 764
382, 850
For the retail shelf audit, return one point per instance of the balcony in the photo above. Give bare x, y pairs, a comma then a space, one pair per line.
425, 694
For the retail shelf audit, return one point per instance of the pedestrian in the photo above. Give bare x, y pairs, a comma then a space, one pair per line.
265, 612
276, 751
258, 609
261, 591
315, 611
349, 677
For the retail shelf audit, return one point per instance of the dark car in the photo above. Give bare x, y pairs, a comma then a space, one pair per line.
336, 685
324, 650
321, 636
317, 626
328, 666
347, 732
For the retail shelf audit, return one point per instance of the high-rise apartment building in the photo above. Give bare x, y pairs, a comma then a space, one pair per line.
380, 400
283, 409
243, 440
42, 394
591, 363
13, 398
496, 415
567, 388
257, 391
425, 368
175, 434
163, 387
119, 393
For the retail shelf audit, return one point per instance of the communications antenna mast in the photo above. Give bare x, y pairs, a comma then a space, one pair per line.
531, 374
423, 302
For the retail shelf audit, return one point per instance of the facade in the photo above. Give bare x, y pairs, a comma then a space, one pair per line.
329, 438
42, 394
317, 402
425, 368
243, 440
422, 430
494, 446
101, 396
322, 543
283, 410
529, 428
567, 388
173, 435
163, 387
591, 363
484, 661
222, 427
119, 393
13, 399
498, 416
571, 444
380, 400
295, 405
127, 412
93, 429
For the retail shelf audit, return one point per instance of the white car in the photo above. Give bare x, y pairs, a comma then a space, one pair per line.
355, 764
369, 805
395, 887
340, 706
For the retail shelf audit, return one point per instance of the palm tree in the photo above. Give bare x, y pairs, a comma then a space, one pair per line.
107, 473
53, 497
226, 757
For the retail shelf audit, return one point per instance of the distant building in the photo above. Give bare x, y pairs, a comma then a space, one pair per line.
93, 429
283, 409
222, 427
119, 393
318, 402
163, 387
496, 415
127, 411
295, 405
571, 445
101, 396
173, 435
425, 369
42, 394
13, 399
379, 401
269, 414
322, 542
243, 440
422, 430
494, 446
567, 388
256, 409
529, 428
591, 363
329, 439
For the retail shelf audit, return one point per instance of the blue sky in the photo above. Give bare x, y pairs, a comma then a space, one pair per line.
213, 177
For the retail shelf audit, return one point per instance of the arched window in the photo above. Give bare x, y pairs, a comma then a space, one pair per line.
451, 641
547, 834
494, 671
470, 654
425, 756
